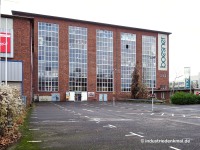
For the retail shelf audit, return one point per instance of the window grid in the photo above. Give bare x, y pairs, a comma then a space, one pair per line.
128, 59
48, 56
104, 58
149, 61
77, 58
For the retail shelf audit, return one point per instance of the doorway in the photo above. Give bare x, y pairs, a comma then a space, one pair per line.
78, 96
103, 97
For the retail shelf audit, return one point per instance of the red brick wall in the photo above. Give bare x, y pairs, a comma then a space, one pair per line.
22, 52
64, 60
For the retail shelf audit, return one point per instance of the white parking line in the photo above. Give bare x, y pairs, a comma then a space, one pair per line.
152, 114
174, 148
133, 134
109, 126
34, 129
172, 115
196, 124
88, 110
33, 122
183, 115
34, 141
162, 114
48, 121
131, 113
34, 117
87, 117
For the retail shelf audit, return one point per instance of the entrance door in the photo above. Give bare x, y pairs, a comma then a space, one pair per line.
83, 96
103, 97
100, 97
71, 96
78, 97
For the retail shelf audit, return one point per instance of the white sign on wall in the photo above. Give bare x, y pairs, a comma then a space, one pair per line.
162, 52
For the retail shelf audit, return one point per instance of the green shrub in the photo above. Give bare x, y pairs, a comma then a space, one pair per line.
198, 99
11, 108
183, 98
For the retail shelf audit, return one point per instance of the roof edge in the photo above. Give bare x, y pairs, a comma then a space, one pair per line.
25, 14
16, 16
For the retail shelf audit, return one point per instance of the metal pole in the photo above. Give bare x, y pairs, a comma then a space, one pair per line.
6, 60
152, 81
190, 82
113, 87
0, 45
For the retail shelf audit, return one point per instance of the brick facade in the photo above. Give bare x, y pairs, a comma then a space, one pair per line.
22, 30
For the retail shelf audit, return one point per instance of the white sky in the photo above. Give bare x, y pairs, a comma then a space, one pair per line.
181, 17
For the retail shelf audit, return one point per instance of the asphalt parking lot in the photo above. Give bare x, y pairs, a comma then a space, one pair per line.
119, 126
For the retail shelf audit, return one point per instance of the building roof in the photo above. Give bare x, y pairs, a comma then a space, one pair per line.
27, 14
15, 16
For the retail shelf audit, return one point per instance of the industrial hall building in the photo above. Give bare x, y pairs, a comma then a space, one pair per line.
53, 58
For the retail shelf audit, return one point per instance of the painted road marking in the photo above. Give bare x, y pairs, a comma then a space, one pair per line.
172, 115
152, 114
87, 117
183, 115
34, 141
131, 113
48, 121
33, 122
34, 129
142, 113
34, 117
133, 134
185, 122
162, 114
88, 110
174, 148
109, 126
97, 120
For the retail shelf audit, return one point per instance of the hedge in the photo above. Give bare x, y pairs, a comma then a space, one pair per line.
182, 98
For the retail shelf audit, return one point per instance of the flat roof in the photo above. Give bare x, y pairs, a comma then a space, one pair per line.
20, 13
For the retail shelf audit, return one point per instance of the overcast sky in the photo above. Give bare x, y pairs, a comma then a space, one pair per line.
180, 17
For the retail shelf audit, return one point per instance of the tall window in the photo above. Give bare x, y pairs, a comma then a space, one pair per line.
128, 59
104, 48
48, 56
149, 60
77, 58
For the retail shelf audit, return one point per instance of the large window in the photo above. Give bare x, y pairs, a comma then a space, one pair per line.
149, 60
128, 59
77, 58
48, 56
104, 48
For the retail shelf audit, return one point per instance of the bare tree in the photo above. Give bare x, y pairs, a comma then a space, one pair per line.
138, 89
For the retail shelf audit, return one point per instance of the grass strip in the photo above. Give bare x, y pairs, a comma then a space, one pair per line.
27, 135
